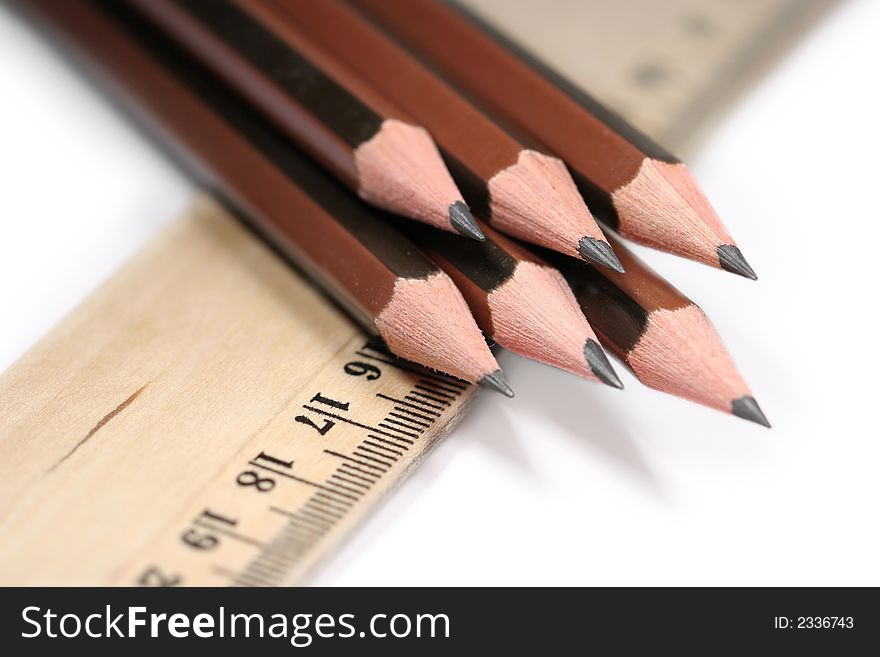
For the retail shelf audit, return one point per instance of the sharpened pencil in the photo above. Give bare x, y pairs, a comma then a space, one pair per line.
384, 281
520, 301
521, 191
356, 134
662, 336
632, 184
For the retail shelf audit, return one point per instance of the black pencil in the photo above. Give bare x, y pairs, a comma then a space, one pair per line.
348, 248
662, 336
351, 129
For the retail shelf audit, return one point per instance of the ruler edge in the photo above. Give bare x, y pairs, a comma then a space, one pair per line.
332, 549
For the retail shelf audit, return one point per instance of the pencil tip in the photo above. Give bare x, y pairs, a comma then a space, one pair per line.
747, 408
463, 221
599, 365
732, 260
498, 382
599, 252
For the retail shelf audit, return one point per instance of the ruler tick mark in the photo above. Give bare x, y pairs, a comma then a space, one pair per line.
372, 451
395, 443
434, 391
293, 515
409, 422
321, 508
296, 533
410, 405
354, 460
320, 521
422, 403
428, 420
239, 579
357, 473
338, 487
436, 386
398, 430
367, 457
350, 482
270, 572
273, 558
325, 496
383, 448
433, 399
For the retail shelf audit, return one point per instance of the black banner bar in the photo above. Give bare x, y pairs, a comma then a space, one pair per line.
435, 621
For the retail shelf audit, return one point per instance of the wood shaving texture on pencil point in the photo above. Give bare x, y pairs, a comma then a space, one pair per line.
681, 353
428, 321
535, 314
401, 170
536, 199
663, 207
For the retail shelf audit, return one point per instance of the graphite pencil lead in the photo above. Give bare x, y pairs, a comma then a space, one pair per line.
463, 221
497, 381
747, 408
599, 252
732, 260
599, 364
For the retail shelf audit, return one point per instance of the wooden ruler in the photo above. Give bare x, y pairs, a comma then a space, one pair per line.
207, 418
671, 66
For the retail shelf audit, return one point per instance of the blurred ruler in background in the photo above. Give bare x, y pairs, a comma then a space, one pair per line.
206, 417
668, 66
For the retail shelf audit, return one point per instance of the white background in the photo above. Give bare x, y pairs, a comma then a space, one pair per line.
571, 482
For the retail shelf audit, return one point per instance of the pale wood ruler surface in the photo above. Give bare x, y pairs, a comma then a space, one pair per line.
207, 417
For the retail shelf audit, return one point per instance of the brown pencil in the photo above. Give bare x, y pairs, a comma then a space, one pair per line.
378, 275
520, 301
355, 133
631, 183
520, 190
662, 336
